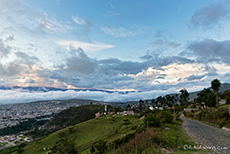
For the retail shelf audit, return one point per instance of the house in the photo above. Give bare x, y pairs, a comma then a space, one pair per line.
130, 112
222, 101
191, 109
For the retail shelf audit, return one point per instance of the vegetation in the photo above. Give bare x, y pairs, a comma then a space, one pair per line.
76, 115
184, 97
208, 97
30, 124
218, 117
157, 133
68, 117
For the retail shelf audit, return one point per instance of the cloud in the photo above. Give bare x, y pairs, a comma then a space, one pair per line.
211, 15
4, 49
195, 77
80, 63
118, 32
157, 43
23, 96
94, 47
23, 21
79, 70
112, 11
209, 50
79, 21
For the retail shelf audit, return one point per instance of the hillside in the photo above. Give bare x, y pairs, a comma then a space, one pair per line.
75, 115
68, 117
85, 134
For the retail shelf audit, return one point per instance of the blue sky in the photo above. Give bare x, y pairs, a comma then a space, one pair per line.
152, 47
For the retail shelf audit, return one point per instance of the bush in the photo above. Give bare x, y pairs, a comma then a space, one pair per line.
222, 123
152, 121
64, 146
99, 148
167, 117
145, 141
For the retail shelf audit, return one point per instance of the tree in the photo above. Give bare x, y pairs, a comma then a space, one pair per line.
153, 102
184, 97
226, 95
215, 84
141, 103
159, 101
208, 97
169, 100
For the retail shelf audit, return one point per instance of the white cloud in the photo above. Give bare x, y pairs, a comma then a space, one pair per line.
79, 21
94, 47
118, 31
23, 96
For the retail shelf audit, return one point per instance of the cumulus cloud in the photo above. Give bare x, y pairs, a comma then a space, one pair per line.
80, 70
211, 50
210, 15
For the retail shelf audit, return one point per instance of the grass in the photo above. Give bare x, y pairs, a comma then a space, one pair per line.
173, 139
85, 134
177, 140
170, 138
216, 117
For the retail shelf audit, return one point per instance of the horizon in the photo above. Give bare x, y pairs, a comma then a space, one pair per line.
136, 49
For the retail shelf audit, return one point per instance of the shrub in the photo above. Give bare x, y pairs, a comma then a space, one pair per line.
152, 121
222, 123
145, 141
167, 117
100, 147
64, 146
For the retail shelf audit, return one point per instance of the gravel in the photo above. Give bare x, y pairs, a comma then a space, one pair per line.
207, 137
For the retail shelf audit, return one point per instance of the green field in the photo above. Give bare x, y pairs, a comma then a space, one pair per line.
85, 134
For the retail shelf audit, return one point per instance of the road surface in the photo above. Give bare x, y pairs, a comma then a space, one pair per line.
207, 137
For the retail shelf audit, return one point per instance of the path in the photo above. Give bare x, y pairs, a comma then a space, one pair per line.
207, 137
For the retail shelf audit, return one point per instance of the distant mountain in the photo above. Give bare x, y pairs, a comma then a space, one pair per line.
223, 88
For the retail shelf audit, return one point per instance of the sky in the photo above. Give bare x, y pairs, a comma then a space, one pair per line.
143, 48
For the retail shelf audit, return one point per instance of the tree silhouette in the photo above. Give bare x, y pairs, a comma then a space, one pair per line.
215, 84
184, 96
208, 97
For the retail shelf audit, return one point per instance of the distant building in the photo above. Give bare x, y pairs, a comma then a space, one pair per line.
125, 113
105, 108
222, 101
191, 109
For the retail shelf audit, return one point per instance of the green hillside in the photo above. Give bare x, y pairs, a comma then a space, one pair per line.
68, 117
75, 115
85, 134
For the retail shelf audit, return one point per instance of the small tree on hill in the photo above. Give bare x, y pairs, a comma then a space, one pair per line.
208, 97
184, 97
215, 84
141, 105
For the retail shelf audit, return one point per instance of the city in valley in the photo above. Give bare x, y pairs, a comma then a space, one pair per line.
14, 114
